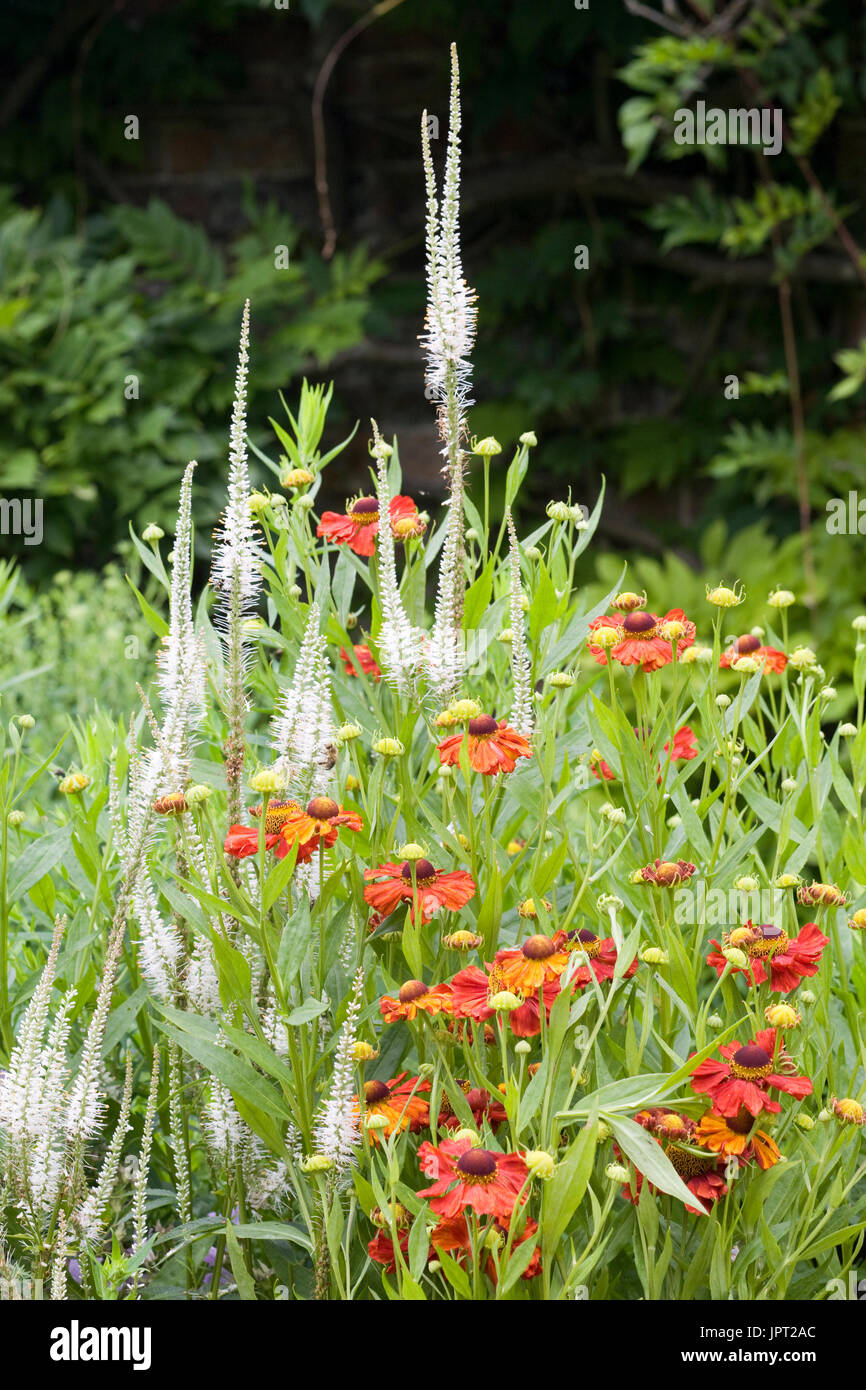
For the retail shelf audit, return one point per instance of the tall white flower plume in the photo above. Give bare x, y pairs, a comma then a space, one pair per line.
161, 946
181, 650
448, 338
399, 642
337, 1134
236, 575
303, 726
521, 717
182, 681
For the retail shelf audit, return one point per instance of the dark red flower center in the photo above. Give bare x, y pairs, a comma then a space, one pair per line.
375, 1092
741, 1123
639, 624
424, 871
365, 509
749, 643
538, 948
477, 1165
483, 726
322, 808
413, 989
751, 1062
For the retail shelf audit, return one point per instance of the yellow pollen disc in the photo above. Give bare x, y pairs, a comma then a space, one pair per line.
763, 949
586, 948
277, 814
688, 1165
750, 1073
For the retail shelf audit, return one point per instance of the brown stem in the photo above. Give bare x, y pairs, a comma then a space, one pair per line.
321, 155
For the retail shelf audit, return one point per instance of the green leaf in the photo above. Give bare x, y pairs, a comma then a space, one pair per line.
234, 971
648, 1158
521, 1257
273, 1230
243, 1278
294, 943
456, 1276
419, 1244
231, 1070
310, 1009
563, 1193
38, 859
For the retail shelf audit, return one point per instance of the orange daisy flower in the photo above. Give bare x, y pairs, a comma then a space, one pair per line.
492, 747
452, 1234
538, 961
822, 894
358, 526
666, 873
769, 948
400, 1103
701, 1173
734, 1135
743, 1079
472, 990
319, 824
750, 645
363, 661
391, 884
464, 1176
639, 641
601, 953
243, 840
415, 997
381, 1249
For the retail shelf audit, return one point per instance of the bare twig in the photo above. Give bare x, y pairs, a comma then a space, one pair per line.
682, 31
321, 157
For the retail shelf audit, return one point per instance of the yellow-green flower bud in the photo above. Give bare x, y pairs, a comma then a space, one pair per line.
411, 851
388, 747
268, 779
723, 597
540, 1163
781, 598
505, 1001
197, 794
75, 783
316, 1163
